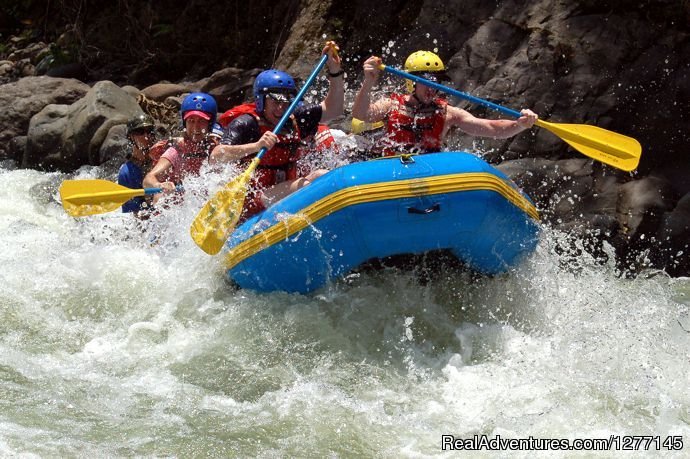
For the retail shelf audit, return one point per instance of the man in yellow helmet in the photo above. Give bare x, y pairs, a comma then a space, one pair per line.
420, 120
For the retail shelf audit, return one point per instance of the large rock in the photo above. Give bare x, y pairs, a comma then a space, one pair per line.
45, 134
536, 176
161, 91
674, 234
304, 44
24, 98
86, 124
230, 86
642, 203
599, 206
676, 224
114, 149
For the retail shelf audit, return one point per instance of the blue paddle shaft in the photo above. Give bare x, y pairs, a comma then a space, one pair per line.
454, 92
178, 188
297, 99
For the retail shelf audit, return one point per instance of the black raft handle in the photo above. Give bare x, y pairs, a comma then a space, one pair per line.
413, 210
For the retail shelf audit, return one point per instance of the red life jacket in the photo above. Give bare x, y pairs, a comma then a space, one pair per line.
280, 163
277, 164
194, 155
410, 127
324, 140
157, 150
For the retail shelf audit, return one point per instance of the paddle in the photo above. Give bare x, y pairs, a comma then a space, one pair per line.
609, 147
90, 197
213, 223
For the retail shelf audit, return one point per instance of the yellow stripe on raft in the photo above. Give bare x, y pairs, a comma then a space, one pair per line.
383, 191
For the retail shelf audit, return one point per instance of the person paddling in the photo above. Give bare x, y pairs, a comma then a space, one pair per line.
419, 121
141, 137
248, 128
184, 155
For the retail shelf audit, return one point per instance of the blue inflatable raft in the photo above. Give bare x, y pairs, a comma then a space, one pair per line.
380, 208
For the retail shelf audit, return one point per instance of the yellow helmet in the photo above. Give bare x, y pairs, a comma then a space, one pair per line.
422, 62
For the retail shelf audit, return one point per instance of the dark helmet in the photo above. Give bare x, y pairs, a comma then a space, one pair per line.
141, 122
272, 81
199, 103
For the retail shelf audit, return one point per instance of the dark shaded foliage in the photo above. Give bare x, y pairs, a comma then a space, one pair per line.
143, 42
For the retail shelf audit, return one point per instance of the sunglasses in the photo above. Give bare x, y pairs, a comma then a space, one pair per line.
433, 76
281, 97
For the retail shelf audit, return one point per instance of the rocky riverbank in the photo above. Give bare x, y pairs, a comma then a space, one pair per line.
623, 66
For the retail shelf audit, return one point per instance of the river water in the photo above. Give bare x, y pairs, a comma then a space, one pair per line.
110, 346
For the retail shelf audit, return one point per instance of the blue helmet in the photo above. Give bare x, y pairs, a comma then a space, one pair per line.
199, 102
270, 81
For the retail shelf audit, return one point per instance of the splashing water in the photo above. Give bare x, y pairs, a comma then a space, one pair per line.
109, 346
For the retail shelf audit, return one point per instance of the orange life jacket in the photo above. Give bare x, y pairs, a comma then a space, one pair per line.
414, 127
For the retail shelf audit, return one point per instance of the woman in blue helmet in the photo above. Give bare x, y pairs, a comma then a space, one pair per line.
248, 129
185, 155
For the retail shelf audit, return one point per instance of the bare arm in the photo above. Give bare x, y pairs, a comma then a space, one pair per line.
152, 179
232, 153
362, 108
333, 105
497, 129
367, 111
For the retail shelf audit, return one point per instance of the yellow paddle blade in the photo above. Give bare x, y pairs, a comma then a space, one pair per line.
214, 222
90, 197
609, 147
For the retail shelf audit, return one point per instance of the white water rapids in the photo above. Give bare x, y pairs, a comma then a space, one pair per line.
111, 347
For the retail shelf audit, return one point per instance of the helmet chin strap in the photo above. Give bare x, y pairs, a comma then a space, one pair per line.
421, 104
262, 113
